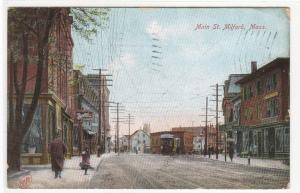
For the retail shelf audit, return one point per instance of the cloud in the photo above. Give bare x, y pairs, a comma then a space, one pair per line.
126, 60
164, 32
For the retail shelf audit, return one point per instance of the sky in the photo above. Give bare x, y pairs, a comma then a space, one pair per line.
163, 66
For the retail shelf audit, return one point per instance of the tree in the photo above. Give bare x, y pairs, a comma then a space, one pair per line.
32, 27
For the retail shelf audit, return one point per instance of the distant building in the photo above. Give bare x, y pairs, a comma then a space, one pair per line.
265, 96
198, 136
166, 142
140, 142
124, 143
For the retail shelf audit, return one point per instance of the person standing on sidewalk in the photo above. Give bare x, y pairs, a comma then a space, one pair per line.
85, 164
57, 150
231, 152
209, 151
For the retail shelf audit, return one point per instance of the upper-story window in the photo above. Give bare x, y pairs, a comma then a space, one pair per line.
272, 107
271, 82
247, 92
258, 88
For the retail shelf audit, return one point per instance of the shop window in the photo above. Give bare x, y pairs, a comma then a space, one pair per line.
75, 137
266, 140
279, 139
286, 139
32, 141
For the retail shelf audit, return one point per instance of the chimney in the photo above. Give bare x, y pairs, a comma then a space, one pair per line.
253, 66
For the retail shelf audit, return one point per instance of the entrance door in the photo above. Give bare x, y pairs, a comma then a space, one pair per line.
271, 138
260, 143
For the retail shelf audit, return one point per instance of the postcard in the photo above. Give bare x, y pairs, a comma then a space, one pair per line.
148, 97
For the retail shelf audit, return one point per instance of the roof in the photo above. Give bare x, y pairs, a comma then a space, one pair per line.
169, 132
138, 131
233, 78
278, 62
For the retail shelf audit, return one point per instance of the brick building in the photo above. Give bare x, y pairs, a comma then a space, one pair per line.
105, 127
198, 136
231, 111
52, 115
265, 109
85, 113
184, 139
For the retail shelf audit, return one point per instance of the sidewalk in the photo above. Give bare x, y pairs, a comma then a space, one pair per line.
266, 163
72, 176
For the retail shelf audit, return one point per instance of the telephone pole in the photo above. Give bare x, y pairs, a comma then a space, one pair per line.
206, 115
118, 129
217, 117
117, 145
101, 146
128, 132
130, 119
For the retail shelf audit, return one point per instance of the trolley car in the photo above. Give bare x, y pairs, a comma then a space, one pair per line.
169, 144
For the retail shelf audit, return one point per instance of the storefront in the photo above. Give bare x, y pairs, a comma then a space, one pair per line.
49, 119
268, 141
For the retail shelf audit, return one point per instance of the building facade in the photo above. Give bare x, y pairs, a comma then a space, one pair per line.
140, 142
105, 127
52, 115
85, 113
231, 111
198, 136
124, 143
264, 114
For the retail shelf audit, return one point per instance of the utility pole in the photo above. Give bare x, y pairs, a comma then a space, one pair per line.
206, 121
217, 123
101, 146
128, 132
217, 117
118, 129
130, 121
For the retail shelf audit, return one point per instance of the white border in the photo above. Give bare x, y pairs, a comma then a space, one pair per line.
294, 74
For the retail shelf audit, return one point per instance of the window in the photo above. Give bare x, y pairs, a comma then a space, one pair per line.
272, 107
286, 139
279, 137
247, 92
250, 92
271, 82
231, 115
258, 88
244, 93
32, 141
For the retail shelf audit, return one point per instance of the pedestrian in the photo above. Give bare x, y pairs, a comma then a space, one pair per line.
57, 150
231, 152
98, 150
136, 150
85, 163
209, 151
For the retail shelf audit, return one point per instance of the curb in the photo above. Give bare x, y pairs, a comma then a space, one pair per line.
18, 174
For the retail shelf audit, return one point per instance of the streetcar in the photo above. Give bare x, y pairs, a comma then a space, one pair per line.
169, 144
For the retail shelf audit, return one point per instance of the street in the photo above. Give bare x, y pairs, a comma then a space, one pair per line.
148, 171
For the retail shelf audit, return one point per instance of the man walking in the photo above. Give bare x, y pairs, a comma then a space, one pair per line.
57, 150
